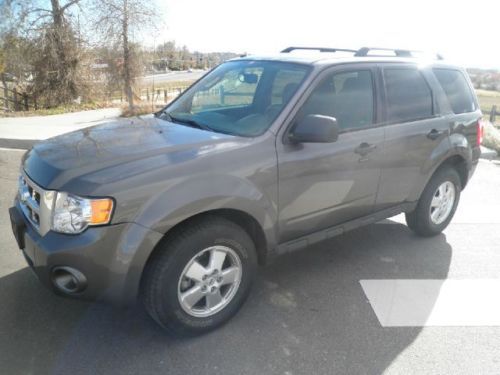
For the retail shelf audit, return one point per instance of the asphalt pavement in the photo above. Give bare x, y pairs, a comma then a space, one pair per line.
307, 314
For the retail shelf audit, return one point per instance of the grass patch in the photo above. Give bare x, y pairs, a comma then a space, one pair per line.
140, 109
58, 110
487, 99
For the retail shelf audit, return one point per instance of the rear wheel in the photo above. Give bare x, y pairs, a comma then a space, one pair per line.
200, 277
437, 204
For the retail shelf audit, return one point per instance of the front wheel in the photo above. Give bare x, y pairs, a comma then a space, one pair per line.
437, 204
201, 276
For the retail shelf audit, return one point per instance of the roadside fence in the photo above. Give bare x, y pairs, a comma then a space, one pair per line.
13, 100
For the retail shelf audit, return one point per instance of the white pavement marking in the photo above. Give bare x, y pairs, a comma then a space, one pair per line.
419, 303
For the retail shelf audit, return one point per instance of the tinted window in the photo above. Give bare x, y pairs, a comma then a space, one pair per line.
456, 89
346, 96
408, 95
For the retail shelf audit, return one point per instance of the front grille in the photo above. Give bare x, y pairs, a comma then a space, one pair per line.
36, 203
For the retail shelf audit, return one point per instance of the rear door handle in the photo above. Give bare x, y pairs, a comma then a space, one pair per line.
434, 134
365, 148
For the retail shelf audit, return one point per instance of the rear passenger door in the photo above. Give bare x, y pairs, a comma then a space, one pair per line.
415, 131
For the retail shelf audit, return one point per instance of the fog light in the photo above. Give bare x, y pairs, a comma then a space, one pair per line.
68, 280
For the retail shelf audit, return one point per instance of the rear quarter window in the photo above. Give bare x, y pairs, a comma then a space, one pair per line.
457, 90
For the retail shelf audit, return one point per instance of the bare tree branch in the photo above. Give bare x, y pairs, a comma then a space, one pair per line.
35, 10
67, 5
33, 23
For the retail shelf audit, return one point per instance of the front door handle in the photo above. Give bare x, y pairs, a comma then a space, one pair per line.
434, 134
365, 148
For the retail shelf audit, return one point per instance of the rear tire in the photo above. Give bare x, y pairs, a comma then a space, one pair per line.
437, 204
200, 277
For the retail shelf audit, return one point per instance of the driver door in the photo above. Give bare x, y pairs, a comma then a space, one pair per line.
325, 184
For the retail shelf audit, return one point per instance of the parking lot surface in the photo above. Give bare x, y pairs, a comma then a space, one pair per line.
308, 312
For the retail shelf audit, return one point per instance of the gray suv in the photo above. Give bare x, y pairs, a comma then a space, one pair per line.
260, 157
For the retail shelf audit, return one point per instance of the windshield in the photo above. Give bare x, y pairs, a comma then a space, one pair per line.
238, 97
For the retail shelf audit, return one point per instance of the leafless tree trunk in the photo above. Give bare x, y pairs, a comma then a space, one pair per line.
126, 57
59, 29
118, 20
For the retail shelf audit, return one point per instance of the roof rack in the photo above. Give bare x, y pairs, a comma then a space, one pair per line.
364, 51
320, 49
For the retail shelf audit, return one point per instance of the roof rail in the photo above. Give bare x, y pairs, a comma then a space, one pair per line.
364, 51
320, 49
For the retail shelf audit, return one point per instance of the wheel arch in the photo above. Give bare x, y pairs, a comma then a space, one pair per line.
459, 163
246, 221
455, 161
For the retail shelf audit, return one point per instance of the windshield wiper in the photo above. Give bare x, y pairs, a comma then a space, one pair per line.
185, 121
162, 113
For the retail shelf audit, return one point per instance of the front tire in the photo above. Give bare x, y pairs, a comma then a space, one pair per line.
437, 204
200, 277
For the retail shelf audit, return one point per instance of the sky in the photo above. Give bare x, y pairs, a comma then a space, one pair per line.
457, 29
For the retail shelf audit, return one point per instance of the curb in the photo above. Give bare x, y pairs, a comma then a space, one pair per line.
488, 154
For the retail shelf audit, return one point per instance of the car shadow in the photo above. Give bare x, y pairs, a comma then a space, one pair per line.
307, 314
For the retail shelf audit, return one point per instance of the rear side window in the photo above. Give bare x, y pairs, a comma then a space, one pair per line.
409, 97
456, 89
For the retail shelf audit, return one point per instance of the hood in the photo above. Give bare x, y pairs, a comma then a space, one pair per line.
100, 149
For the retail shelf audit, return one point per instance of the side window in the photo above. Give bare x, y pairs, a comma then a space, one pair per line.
456, 89
237, 88
347, 96
285, 83
409, 97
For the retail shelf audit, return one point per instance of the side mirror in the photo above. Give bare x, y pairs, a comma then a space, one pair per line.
315, 129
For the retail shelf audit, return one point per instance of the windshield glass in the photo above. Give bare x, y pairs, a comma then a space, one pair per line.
238, 97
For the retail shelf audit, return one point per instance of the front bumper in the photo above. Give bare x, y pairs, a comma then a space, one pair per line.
110, 257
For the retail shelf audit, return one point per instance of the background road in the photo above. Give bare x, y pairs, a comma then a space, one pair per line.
172, 77
306, 315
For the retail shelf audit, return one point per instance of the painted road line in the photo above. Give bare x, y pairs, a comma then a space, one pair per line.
419, 303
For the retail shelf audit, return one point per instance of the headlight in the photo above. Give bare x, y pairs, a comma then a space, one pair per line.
73, 214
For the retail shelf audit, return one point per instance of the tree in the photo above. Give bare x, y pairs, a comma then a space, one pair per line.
56, 65
40, 48
119, 21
